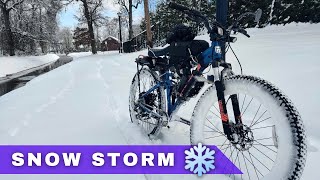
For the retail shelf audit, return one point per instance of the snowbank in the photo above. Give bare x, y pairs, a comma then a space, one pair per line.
11, 65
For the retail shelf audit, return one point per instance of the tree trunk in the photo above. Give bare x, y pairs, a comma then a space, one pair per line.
42, 43
130, 20
148, 26
90, 26
10, 43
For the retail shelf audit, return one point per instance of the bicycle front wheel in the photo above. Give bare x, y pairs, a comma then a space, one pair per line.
274, 143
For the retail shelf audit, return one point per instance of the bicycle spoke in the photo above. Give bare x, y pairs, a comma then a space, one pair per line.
258, 160
245, 96
255, 168
214, 137
246, 165
263, 153
255, 115
263, 139
213, 129
226, 147
224, 143
240, 166
238, 161
261, 127
259, 117
235, 161
214, 126
215, 115
216, 108
260, 121
229, 156
266, 146
247, 107
225, 150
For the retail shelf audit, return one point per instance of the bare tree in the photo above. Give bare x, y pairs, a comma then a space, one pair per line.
111, 28
92, 14
65, 37
28, 24
127, 6
6, 7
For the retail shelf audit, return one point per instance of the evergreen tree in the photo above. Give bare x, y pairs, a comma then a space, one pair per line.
238, 7
166, 18
287, 11
273, 12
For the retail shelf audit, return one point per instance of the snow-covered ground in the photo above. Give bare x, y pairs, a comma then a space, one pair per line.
86, 101
11, 65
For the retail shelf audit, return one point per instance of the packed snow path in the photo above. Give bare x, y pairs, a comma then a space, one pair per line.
86, 101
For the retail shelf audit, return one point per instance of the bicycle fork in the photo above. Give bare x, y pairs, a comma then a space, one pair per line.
222, 104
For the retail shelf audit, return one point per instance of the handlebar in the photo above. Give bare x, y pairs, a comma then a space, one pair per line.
199, 17
179, 7
194, 13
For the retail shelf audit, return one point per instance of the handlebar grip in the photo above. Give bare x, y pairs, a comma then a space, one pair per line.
179, 7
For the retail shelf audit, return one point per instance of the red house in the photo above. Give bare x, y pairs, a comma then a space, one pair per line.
110, 44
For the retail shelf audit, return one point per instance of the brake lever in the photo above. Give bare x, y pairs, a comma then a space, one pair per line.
244, 32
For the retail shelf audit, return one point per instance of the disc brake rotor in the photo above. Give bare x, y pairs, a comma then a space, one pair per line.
242, 137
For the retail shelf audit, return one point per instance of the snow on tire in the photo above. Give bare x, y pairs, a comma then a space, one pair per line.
287, 133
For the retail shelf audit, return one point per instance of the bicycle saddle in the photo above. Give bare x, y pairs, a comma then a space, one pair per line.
158, 52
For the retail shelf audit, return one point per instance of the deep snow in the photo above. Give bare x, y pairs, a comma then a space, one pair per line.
86, 101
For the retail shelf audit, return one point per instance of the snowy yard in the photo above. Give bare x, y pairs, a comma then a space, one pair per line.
86, 101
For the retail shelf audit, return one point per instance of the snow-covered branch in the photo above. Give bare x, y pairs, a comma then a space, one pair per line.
15, 4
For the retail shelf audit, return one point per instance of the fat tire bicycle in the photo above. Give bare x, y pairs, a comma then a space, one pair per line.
264, 136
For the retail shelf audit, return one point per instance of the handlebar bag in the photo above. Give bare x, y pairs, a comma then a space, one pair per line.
179, 51
180, 33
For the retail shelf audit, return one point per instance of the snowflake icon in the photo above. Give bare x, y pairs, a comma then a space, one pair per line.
199, 159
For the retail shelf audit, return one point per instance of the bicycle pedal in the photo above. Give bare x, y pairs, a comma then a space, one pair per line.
165, 121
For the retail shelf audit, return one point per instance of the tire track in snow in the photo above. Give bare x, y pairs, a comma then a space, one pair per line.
112, 104
25, 122
117, 111
61, 93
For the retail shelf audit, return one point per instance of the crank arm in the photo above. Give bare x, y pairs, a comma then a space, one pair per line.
184, 121
144, 107
203, 79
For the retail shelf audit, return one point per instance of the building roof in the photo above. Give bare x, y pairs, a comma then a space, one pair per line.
111, 37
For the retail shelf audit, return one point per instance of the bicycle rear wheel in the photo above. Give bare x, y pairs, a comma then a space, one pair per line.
274, 142
142, 108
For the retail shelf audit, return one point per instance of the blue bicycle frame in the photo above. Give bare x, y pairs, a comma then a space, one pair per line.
209, 56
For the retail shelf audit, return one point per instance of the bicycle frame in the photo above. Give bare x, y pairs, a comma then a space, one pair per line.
213, 56
213, 53
166, 82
